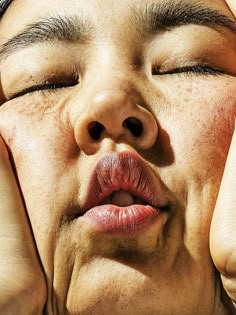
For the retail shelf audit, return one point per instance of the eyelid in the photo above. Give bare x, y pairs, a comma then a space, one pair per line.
195, 69
47, 86
57, 78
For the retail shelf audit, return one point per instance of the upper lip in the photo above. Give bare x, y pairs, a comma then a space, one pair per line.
123, 171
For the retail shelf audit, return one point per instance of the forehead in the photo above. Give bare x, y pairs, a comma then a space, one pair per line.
103, 13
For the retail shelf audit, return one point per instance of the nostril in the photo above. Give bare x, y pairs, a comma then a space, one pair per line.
95, 130
134, 125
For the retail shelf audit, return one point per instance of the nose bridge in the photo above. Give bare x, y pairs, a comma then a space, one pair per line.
112, 108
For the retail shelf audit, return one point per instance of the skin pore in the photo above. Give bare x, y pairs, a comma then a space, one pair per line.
179, 81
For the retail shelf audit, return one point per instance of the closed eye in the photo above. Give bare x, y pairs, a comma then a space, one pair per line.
200, 70
49, 87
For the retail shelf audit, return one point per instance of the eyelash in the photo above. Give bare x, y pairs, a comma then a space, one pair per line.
198, 69
188, 70
48, 87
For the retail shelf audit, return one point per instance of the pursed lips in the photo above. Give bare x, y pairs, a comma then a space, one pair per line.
123, 178
124, 197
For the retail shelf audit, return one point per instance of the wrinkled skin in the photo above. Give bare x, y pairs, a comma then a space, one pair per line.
167, 269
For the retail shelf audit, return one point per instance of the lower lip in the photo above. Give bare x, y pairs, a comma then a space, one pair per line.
121, 220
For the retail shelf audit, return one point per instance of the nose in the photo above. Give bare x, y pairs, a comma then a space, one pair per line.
115, 113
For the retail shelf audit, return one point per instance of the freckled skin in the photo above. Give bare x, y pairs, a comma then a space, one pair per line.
92, 273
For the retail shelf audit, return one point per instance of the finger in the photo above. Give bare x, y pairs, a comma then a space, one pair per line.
232, 6
14, 227
223, 227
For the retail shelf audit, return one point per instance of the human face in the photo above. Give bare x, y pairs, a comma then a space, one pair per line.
111, 111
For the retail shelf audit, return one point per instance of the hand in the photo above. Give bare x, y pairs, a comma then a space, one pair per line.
22, 285
223, 226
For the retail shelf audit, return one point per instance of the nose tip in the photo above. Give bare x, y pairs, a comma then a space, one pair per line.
116, 115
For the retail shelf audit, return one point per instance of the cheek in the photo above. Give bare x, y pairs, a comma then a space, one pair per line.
201, 125
45, 155
41, 145
35, 129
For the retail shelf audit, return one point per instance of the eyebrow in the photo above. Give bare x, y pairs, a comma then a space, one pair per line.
165, 15
148, 19
51, 29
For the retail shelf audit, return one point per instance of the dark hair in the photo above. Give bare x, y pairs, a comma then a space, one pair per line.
3, 6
